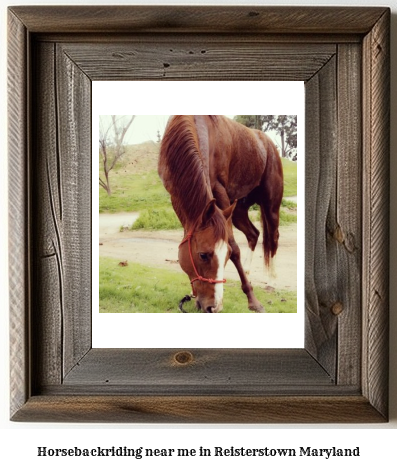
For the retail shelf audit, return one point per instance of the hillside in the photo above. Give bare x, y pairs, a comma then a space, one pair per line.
141, 158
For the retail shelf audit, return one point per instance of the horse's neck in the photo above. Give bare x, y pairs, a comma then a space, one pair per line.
189, 222
183, 170
190, 208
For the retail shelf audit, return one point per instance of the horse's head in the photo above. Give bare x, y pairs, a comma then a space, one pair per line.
203, 255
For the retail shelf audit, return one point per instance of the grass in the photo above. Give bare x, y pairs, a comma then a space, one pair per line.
287, 218
290, 177
157, 219
288, 213
287, 204
137, 288
134, 192
166, 219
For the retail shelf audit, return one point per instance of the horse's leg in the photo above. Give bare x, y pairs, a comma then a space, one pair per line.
243, 223
223, 202
269, 199
253, 303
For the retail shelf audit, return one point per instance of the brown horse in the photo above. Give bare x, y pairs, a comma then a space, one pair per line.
215, 169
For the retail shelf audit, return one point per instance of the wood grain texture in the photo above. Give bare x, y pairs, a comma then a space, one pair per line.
226, 370
218, 59
73, 89
376, 91
321, 278
62, 226
333, 215
338, 377
199, 409
47, 316
346, 227
18, 213
189, 19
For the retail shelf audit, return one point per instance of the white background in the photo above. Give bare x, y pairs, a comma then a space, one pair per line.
224, 330
19, 441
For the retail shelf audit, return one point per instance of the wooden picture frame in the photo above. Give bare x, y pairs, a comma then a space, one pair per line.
342, 54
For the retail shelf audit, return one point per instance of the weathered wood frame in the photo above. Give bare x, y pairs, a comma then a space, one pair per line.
343, 56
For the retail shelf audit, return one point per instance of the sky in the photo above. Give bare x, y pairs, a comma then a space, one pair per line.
145, 127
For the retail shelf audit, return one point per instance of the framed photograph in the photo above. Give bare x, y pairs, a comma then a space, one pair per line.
57, 58
135, 266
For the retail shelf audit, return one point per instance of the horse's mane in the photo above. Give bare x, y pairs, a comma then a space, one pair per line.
182, 169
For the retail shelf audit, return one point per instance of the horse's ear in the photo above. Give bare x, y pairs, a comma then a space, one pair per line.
208, 212
229, 211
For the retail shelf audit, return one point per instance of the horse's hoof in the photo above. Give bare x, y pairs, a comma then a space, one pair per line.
257, 308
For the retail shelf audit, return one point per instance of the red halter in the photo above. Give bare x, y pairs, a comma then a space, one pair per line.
198, 277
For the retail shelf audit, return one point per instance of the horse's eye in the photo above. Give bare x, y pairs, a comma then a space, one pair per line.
204, 256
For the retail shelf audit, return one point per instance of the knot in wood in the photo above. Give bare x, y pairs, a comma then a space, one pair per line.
337, 308
183, 358
338, 235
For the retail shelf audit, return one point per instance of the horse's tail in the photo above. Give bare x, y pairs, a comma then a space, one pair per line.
272, 193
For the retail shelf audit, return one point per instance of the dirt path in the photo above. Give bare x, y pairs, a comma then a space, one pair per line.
160, 249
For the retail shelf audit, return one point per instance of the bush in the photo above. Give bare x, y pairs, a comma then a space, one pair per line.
157, 219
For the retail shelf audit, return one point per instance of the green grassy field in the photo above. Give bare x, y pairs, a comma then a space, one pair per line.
134, 192
137, 288
290, 177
